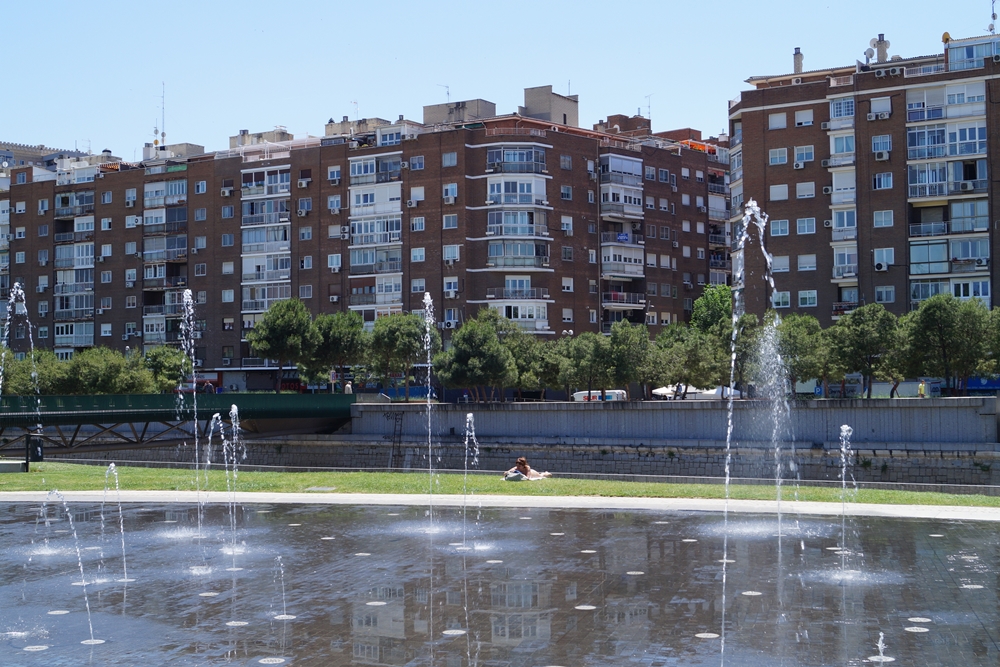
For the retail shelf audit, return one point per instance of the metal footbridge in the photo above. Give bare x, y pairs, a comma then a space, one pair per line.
70, 424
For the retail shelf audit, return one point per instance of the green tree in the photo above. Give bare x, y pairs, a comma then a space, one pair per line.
629, 347
342, 342
285, 334
169, 366
396, 345
798, 341
866, 335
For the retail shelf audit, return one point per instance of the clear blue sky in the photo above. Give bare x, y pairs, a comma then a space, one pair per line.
88, 74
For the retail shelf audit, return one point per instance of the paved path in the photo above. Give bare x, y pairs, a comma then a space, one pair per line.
549, 502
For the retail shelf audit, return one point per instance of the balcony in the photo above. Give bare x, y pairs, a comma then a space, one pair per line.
967, 187
845, 233
843, 307
627, 269
719, 239
389, 266
516, 168
719, 214
517, 261
845, 271
843, 196
376, 238
385, 298
75, 340
163, 309
164, 283
928, 190
73, 314
623, 179
266, 218
165, 228
73, 211
506, 293
622, 300
622, 238
269, 247
717, 263
954, 226
517, 230
276, 274
169, 255
72, 288
619, 210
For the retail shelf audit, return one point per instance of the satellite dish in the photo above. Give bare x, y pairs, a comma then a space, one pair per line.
869, 53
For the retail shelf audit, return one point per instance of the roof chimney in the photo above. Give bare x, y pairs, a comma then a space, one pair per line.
797, 61
881, 48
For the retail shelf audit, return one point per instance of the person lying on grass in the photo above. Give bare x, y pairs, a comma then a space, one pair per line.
522, 471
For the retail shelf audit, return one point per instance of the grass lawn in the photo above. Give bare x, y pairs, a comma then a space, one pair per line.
76, 477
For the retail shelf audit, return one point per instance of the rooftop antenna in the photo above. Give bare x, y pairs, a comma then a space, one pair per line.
447, 92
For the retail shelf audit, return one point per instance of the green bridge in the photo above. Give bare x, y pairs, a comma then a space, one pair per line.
113, 422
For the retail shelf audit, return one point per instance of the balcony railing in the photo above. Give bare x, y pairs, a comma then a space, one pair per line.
276, 274
164, 283
73, 314
517, 261
622, 268
966, 187
720, 264
517, 230
718, 214
929, 190
954, 226
845, 271
623, 299
72, 288
376, 238
516, 167
843, 307
163, 309
619, 210
623, 238
266, 218
168, 255
844, 233
390, 298
75, 340
507, 293
388, 266
272, 246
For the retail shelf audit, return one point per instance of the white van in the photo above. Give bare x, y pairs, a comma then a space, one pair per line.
609, 395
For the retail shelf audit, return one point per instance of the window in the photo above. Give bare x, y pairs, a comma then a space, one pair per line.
807, 262
567, 284
227, 211
779, 192
130, 301
885, 256
881, 142
43, 230
200, 187
417, 224
106, 329
416, 254
105, 303
450, 190
105, 276
807, 298
566, 192
450, 252
305, 291
805, 226
842, 108
305, 233
228, 295
781, 300
805, 190
565, 161
778, 156
885, 294
418, 285
804, 118
201, 269
449, 159
882, 181
779, 264
417, 162
333, 261
306, 262
776, 121
106, 197
450, 221
130, 248
779, 228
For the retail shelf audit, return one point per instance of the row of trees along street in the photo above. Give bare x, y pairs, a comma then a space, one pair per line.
945, 337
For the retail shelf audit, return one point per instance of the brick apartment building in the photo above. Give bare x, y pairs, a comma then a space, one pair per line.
562, 229
876, 178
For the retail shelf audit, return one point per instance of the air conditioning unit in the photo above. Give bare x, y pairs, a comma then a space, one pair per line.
449, 262
872, 116
334, 269
824, 163
129, 203
883, 115
879, 73
226, 192
334, 211
129, 284
449, 200
797, 81
334, 299
450, 324
895, 71
828, 223
334, 181
982, 261
227, 361
345, 229
411, 203
799, 165
450, 294
881, 156
881, 266
304, 182
827, 190
303, 212
677, 244
966, 186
